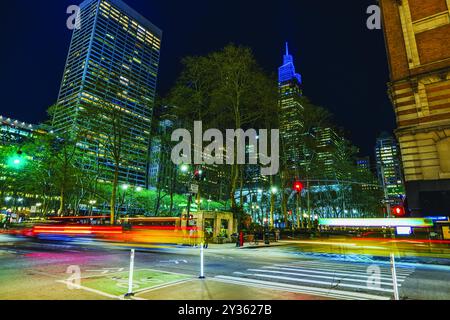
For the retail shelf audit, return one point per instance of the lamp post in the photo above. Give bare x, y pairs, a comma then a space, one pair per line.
209, 203
273, 191
261, 212
266, 230
185, 169
298, 188
91, 204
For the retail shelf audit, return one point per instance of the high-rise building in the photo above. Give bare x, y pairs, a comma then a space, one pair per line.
162, 171
329, 150
389, 168
291, 111
364, 167
417, 34
363, 164
113, 61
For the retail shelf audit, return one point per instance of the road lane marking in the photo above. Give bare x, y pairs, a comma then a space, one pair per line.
361, 274
92, 290
170, 284
337, 279
346, 285
339, 294
345, 268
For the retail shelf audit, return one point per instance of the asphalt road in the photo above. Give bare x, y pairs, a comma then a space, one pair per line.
32, 269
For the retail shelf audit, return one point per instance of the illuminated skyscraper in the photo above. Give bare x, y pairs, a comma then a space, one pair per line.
113, 60
389, 167
330, 149
291, 124
363, 164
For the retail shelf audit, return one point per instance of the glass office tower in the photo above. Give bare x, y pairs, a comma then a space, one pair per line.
389, 168
113, 61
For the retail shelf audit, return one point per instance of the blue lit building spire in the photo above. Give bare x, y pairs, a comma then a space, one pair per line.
287, 70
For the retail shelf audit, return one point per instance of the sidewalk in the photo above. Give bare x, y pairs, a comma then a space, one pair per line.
249, 245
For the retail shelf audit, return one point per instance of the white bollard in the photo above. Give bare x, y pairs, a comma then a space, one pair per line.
202, 270
394, 277
130, 278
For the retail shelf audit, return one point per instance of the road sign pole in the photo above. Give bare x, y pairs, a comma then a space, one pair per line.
130, 279
394, 277
202, 261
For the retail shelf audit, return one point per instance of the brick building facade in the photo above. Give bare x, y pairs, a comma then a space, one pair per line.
417, 34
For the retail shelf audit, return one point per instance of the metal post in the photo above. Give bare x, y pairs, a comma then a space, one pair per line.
386, 193
189, 207
202, 270
297, 210
130, 278
394, 277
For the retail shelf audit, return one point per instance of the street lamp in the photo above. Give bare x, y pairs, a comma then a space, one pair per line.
274, 191
139, 189
209, 203
125, 187
266, 231
184, 168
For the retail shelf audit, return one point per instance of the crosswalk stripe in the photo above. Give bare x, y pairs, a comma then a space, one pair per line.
322, 283
316, 271
336, 279
343, 267
333, 293
349, 264
346, 270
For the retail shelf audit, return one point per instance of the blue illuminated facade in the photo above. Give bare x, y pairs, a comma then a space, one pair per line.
287, 71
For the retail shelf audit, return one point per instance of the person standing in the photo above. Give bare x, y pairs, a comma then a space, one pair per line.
277, 235
208, 236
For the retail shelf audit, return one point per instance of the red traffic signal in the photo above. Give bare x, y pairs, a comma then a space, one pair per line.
199, 175
298, 186
398, 211
290, 212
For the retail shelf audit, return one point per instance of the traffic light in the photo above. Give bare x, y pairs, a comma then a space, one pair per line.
199, 175
290, 212
399, 211
298, 186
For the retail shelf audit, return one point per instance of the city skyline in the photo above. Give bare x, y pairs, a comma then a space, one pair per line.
191, 152
345, 100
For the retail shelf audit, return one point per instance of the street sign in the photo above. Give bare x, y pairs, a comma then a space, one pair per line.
194, 188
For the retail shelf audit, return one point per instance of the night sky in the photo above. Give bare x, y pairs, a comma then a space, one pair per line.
343, 64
